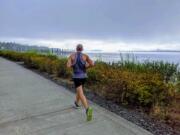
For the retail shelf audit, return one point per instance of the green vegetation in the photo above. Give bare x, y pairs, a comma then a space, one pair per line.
148, 85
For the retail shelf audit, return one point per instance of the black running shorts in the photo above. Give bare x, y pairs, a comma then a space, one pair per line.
79, 81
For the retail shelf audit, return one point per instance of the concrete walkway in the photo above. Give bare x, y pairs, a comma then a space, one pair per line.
33, 105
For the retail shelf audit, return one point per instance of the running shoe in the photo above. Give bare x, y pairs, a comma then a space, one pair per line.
89, 113
76, 105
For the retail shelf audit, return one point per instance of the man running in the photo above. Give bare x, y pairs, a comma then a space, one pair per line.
80, 62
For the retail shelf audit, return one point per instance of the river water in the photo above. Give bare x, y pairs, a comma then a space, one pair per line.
172, 57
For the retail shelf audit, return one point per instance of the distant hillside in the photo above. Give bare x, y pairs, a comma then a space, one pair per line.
42, 49
22, 48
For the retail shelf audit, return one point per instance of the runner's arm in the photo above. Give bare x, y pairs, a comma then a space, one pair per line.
90, 63
69, 62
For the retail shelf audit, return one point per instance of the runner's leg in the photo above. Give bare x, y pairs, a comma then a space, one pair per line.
82, 97
77, 97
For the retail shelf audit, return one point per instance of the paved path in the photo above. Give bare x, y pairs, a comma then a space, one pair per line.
33, 105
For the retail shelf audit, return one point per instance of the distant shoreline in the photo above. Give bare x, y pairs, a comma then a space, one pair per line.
154, 51
135, 52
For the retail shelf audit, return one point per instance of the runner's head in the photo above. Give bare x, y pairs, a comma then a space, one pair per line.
79, 47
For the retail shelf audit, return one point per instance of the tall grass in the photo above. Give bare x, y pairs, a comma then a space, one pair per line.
129, 62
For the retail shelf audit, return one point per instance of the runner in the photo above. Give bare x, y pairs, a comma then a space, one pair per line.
80, 62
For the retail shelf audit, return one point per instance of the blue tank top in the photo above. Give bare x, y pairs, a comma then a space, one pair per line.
79, 66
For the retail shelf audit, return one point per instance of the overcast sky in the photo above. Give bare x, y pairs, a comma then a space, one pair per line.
108, 25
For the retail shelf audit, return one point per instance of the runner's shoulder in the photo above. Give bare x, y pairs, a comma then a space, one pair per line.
72, 55
85, 55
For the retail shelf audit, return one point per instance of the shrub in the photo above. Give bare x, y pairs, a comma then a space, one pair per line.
63, 71
48, 65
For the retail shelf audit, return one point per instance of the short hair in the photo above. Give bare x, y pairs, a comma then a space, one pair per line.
79, 47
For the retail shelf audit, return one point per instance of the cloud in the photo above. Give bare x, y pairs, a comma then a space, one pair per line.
125, 20
108, 25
